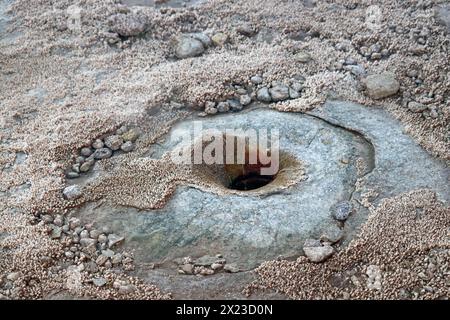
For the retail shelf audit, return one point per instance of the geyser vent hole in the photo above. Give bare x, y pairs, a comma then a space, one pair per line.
250, 181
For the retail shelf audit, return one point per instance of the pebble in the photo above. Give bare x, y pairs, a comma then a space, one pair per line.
127, 146
381, 85
114, 239
87, 242
223, 107
416, 107
85, 167
86, 152
72, 175
187, 268
235, 105
302, 57
203, 38
246, 29
58, 221
231, 268
127, 289
293, 94
114, 142
76, 167
121, 130
279, 92
205, 261
69, 254
256, 79
127, 25
101, 260
356, 70
245, 99
84, 234
343, 211
318, 253
108, 253
219, 39
263, 95
102, 153
72, 192
56, 232
99, 282
116, 259
47, 218
13, 276
216, 266
188, 47
80, 159
102, 238
131, 135
98, 144
74, 223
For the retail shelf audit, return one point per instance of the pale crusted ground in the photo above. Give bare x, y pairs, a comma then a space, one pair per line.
90, 88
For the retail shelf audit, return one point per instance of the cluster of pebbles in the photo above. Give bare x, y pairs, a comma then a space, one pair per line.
89, 249
319, 250
256, 90
205, 265
122, 141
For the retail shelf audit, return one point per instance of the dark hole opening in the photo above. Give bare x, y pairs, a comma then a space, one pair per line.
250, 181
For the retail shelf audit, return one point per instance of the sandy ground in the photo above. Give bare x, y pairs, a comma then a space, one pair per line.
63, 85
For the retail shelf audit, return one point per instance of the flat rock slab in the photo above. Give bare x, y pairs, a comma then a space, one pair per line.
245, 228
249, 229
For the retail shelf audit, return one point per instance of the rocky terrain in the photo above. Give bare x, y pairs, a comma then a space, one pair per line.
91, 206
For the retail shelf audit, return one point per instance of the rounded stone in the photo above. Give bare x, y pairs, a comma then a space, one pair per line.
114, 142
127, 146
223, 107
380, 86
85, 167
279, 92
98, 144
343, 210
219, 39
188, 47
256, 79
72, 192
86, 152
245, 99
131, 135
263, 95
102, 153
